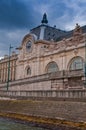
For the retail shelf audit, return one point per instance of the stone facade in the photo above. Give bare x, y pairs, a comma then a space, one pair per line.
46, 64
5, 65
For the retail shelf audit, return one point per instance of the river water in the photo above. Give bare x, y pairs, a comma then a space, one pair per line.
10, 125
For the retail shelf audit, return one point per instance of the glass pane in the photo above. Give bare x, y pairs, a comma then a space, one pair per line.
52, 67
76, 64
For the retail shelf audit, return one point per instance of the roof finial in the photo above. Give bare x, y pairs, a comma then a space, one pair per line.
44, 20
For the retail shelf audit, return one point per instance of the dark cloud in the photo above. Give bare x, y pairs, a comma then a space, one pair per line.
16, 14
17, 17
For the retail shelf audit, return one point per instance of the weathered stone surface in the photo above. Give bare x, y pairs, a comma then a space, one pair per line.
63, 110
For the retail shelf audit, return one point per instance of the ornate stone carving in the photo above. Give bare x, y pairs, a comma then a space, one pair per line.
77, 29
77, 35
61, 45
76, 39
75, 51
69, 42
51, 47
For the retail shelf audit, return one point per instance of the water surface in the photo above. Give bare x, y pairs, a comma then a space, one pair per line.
10, 125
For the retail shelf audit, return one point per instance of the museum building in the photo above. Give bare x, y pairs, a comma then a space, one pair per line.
48, 59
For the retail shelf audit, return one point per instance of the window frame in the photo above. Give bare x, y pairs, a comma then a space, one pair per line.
50, 70
76, 64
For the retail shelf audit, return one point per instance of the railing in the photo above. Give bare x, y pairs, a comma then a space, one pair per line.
48, 93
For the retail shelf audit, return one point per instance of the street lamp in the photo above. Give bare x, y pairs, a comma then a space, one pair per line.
8, 78
85, 67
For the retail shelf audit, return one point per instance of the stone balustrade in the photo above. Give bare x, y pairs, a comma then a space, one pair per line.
81, 94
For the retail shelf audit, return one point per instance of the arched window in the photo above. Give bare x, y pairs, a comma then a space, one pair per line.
52, 67
76, 64
28, 71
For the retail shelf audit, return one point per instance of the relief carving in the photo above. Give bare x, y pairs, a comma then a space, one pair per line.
61, 45
51, 47
77, 35
70, 42
77, 38
75, 51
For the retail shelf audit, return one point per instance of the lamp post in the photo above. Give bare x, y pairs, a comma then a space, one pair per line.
8, 78
85, 67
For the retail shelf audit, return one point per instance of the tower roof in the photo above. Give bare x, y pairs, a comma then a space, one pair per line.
44, 19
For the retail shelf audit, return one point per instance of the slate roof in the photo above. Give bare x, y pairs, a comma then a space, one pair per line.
53, 32
50, 32
70, 33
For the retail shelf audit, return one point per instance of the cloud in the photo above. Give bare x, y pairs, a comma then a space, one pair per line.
15, 14
75, 13
17, 17
10, 37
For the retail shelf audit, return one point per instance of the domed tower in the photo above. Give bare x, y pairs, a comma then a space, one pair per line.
43, 26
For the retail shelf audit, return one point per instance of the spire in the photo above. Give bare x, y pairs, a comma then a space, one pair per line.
44, 20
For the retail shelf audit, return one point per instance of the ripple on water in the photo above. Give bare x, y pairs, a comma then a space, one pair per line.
10, 125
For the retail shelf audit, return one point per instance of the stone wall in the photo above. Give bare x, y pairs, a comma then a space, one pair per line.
56, 85
52, 81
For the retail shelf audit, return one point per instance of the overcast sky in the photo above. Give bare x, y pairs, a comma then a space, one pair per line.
17, 17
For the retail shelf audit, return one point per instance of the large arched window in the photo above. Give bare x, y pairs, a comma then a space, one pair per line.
76, 64
28, 70
52, 67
